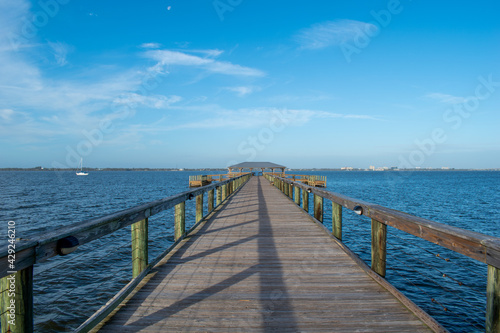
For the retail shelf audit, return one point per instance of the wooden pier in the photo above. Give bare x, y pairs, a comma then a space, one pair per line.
262, 264
256, 261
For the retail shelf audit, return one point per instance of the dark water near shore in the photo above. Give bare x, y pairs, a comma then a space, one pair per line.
70, 289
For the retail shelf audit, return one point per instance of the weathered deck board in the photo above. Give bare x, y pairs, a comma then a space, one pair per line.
260, 264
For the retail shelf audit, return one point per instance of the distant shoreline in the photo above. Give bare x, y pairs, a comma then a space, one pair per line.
225, 170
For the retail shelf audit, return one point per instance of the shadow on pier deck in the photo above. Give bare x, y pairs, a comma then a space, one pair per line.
261, 264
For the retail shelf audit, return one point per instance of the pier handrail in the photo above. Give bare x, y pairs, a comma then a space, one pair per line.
43, 246
472, 244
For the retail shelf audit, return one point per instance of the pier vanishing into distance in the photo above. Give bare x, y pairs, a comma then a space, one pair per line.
255, 260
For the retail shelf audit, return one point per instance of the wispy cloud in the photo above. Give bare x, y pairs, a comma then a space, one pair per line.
154, 102
252, 118
175, 58
6, 114
150, 45
311, 97
331, 33
447, 99
210, 53
243, 91
60, 52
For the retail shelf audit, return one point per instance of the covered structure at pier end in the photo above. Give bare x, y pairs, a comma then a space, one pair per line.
256, 165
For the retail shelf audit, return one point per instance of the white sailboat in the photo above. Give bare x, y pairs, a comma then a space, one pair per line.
81, 172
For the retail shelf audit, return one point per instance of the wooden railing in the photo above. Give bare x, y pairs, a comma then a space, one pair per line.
313, 180
474, 245
202, 180
17, 259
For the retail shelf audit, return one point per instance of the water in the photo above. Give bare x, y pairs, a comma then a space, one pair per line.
42, 201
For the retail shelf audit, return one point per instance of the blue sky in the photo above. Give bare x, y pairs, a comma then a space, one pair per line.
176, 83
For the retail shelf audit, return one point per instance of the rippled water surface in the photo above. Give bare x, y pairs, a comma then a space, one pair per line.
70, 289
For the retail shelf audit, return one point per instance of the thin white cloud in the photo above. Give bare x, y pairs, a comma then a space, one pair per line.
243, 91
447, 99
166, 57
60, 52
169, 58
311, 97
331, 33
154, 102
6, 114
227, 68
150, 45
209, 53
252, 118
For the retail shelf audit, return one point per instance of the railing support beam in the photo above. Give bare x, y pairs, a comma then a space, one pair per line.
305, 200
337, 220
180, 220
199, 208
224, 192
318, 208
210, 200
297, 195
139, 247
16, 301
379, 247
219, 195
493, 300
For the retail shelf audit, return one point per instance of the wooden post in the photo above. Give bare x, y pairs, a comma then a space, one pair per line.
210, 200
224, 192
305, 200
290, 191
297, 195
337, 220
219, 195
16, 301
379, 247
285, 188
318, 208
199, 208
180, 220
492, 300
139, 247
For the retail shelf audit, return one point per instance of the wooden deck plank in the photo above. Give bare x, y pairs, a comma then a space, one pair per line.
260, 264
